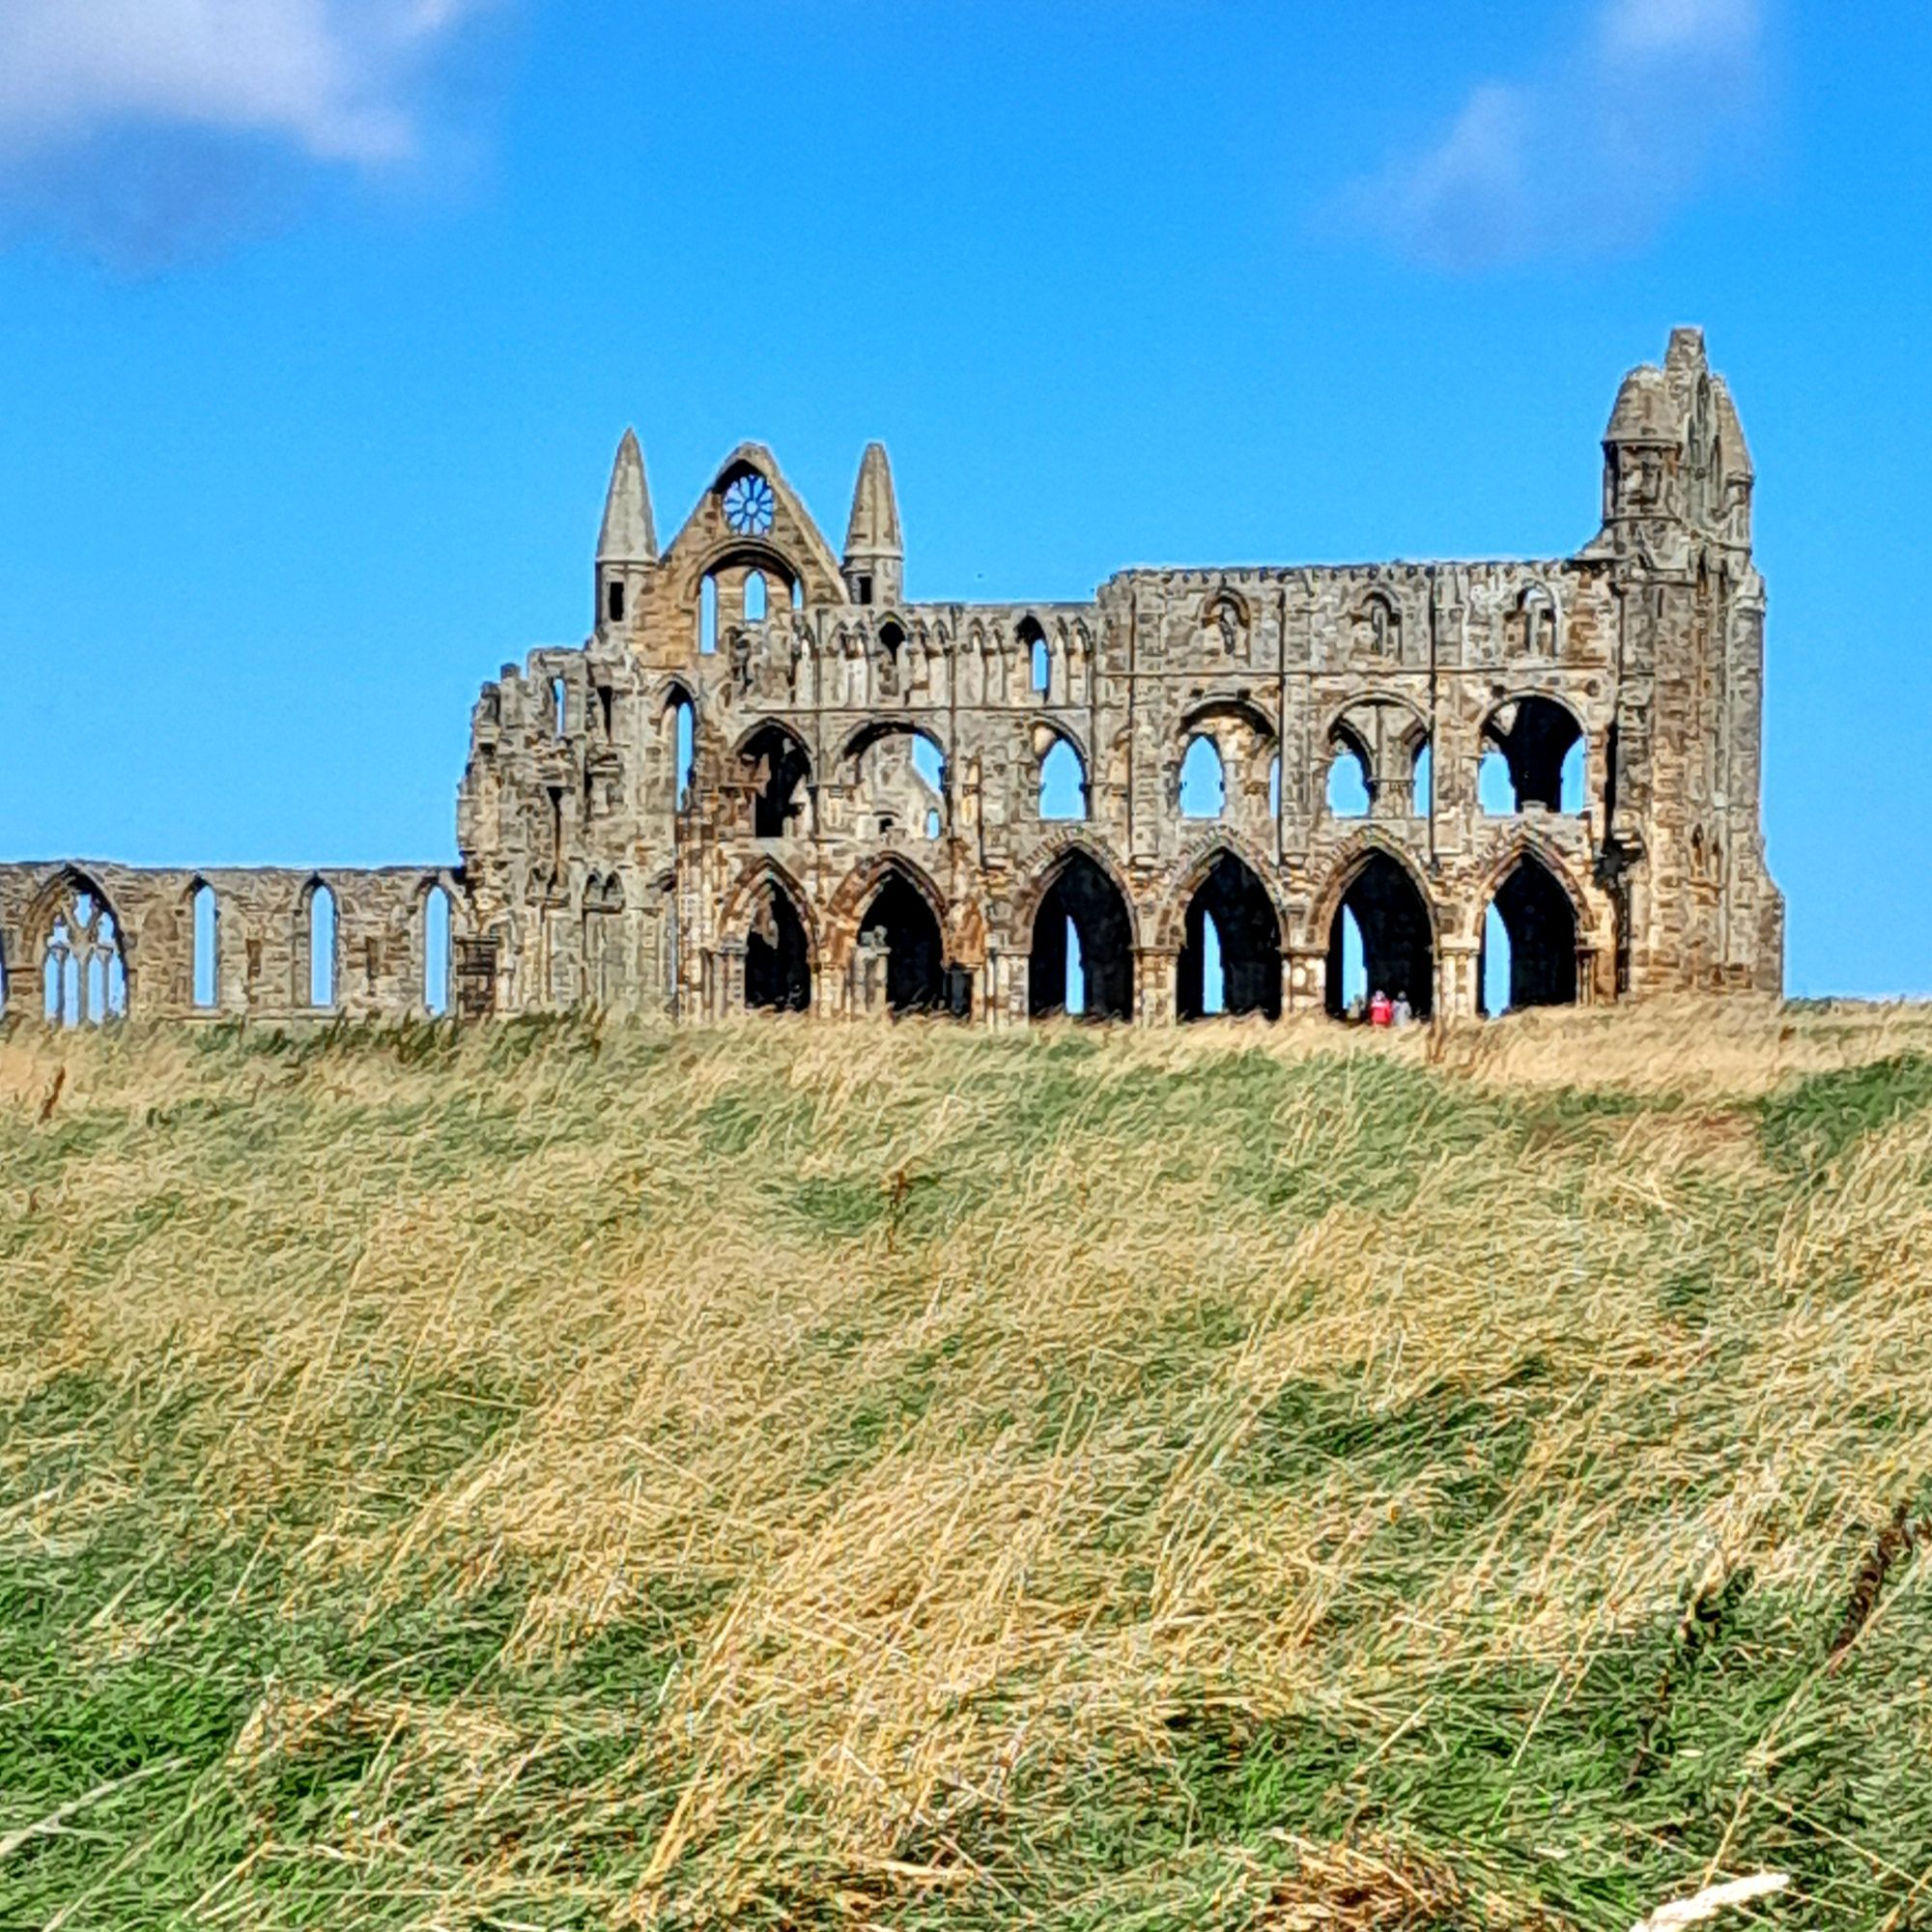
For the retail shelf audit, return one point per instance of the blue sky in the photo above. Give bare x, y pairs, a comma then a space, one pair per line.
320, 319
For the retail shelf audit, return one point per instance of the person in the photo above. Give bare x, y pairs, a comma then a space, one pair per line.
1354, 1014
1402, 1012
1381, 1013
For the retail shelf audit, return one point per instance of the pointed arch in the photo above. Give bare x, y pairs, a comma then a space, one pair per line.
1375, 889
1528, 920
1538, 734
84, 978
1079, 902
767, 910
781, 805
204, 975
890, 903
1224, 892
317, 946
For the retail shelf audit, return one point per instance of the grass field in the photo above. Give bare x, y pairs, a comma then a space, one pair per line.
790, 1476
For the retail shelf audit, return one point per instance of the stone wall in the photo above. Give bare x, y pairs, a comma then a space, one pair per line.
765, 778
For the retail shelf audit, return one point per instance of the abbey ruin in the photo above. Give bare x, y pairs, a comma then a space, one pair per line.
767, 780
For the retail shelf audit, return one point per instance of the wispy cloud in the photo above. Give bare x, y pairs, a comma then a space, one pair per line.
1588, 153
148, 114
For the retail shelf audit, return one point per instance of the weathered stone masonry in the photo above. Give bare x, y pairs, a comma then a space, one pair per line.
768, 779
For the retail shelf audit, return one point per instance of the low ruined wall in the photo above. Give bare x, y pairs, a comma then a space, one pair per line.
86, 941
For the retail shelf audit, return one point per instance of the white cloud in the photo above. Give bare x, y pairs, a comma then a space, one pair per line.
1590, 151
332, 78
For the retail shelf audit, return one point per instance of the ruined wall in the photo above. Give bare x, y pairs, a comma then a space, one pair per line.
767, 780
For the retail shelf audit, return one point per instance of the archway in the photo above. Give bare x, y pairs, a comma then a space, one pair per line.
778, 961
915, 954
1542, 749
780, 770
1240, 971
1397, 936
1082, 958
83, 974
1536, 941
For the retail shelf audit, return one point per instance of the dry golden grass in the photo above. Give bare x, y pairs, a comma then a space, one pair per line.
788, 1475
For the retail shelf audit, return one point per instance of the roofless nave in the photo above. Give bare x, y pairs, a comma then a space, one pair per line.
767, 780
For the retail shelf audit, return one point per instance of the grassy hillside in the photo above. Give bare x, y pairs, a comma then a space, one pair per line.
789, 1476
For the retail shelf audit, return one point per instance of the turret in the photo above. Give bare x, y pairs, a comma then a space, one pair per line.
1674, 451
874, 565
627, 546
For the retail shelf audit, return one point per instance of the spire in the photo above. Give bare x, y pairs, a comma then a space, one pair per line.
874, 566
628, 535
874, 528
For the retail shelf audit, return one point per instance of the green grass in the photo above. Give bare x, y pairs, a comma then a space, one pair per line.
794, 1477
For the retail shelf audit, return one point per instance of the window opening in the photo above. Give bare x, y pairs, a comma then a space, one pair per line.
558, 715
83, 978
1537, 739
207, 962
1422, 781
684, 736
707, 617
781, 772
1204, 784
321, 946
1062, 782
436, 952
1274, 787
1348, 793
613, 601
754, 598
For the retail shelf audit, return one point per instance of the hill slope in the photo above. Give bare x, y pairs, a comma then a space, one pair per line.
777, 1475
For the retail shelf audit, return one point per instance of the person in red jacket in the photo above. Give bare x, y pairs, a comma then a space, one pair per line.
1382, 1010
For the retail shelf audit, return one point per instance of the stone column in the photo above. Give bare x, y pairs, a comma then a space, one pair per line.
727, 979
1458, 979
1154, 985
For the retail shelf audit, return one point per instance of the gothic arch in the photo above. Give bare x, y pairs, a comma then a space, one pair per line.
1078, 893
1395, 919
1354, 856
736, 914
1525, 844
1186, 877
1058, 852
860, 886
1205, 712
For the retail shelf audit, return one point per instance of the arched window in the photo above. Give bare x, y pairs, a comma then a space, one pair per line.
1082, 957
1495, 794
83, 977
1530, 942
1422, 781
318, 944
1204, 784
754, 598
614, 600
929, 762
797, 595
1384, 913
1033, 640
683, 727
203, 912
1349, 792
559, 713
436, 952
707, 617
1062, 782
1541, 746
1231, 952
780, 766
